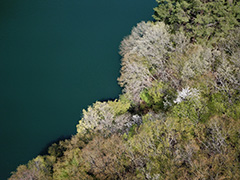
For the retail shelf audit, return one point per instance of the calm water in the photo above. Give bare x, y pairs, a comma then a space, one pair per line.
56, 58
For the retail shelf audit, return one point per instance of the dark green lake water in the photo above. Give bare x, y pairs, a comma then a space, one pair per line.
56, 58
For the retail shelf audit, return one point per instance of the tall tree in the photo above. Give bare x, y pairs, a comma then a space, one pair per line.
204, 21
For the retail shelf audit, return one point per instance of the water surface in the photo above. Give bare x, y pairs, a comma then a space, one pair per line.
56, 58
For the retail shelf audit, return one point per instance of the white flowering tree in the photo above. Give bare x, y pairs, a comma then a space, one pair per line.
144, 57
189, 105
187, 94
107, 117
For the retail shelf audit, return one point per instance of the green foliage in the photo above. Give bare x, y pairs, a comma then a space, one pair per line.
156, 92
55, 150
221, 103
158, 97
132, 131
203, 21
179, 114
193, 108
145, 96
119, 106
179, 149
71, 167
231, 43
108, 158
38, 168
218, 104
156, 147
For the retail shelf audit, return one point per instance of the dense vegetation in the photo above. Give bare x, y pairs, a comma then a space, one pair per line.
179, 114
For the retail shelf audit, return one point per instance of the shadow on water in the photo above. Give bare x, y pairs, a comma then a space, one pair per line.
107, 99
118, 75
44, 151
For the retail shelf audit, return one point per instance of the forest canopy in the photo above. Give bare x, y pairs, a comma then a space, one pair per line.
204, 21
178, 116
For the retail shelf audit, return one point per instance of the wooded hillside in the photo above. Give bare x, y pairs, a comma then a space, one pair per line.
178, 116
